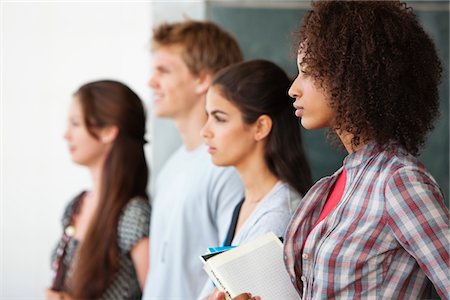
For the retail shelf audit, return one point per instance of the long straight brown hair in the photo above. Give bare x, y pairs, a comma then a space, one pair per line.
260, 87
124, 176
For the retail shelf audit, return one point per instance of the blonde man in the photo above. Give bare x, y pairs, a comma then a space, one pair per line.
193, 199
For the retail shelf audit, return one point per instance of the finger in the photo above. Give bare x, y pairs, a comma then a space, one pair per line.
220, 296
243, 296
211, 296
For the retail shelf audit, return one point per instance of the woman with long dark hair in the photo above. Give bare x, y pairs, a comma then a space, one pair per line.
104, 249
251, 127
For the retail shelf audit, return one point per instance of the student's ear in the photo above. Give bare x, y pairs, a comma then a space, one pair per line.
203, 82
263, 127
108, 134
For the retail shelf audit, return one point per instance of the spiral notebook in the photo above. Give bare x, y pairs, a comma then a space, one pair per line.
256, 267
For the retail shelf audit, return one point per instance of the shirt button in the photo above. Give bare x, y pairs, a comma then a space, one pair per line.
303, 278
305, 256
285, 257
292, 279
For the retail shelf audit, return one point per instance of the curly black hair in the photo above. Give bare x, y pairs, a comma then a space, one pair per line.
379, 67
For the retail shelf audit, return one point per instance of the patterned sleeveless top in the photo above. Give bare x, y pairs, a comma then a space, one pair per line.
133, 226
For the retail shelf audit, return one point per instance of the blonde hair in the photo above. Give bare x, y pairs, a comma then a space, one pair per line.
205, 46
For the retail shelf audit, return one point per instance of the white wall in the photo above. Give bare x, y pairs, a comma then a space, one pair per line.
47, 51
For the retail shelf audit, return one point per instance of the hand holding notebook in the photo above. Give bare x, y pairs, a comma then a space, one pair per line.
256, 267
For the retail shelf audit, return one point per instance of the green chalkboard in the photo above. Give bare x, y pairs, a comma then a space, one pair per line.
265, 32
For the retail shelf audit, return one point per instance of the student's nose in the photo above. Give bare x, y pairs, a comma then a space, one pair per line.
152, 81
294, 90
205, 132
66, 135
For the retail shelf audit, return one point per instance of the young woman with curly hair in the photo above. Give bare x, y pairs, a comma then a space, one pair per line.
378, 227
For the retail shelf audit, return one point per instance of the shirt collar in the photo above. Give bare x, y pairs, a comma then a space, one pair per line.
369, 150
356, 158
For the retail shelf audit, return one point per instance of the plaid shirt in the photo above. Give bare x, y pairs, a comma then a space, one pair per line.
386, 236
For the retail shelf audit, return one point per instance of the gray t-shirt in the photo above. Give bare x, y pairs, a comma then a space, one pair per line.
192, 207
272, 214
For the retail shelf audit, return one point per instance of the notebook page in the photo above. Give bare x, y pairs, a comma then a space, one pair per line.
256, 267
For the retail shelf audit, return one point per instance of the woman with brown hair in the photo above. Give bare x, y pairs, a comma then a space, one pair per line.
103, 252
252, 128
